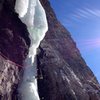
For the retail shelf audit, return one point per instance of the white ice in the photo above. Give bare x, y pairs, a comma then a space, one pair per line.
21, 7
33, 15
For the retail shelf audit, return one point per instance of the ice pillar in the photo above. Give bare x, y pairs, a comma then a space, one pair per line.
33, 15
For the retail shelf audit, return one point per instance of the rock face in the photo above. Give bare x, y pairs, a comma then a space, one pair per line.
14, 44
63, 74
9, 77
14, 40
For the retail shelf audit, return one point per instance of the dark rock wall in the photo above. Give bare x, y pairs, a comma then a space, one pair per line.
14, 40
14, 45
65, 74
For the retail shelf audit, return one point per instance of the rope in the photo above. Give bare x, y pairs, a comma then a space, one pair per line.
7, 59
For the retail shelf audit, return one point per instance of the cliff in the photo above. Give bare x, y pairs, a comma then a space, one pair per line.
62, 72
14, 44
65, 74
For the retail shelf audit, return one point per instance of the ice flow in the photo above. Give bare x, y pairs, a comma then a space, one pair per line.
33, 15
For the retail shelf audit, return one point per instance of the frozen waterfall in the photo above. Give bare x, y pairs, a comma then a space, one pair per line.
33, 15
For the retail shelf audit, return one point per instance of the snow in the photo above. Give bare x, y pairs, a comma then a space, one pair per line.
64, 76
33, 15
75, 77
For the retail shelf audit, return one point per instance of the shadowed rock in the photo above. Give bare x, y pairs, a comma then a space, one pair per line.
14, 44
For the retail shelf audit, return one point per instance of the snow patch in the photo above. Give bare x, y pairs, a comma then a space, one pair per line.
76, 78
64, 76
73, 92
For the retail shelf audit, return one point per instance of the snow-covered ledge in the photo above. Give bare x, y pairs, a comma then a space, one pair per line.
33, 15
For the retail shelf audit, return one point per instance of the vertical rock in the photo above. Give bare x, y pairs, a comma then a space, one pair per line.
65, 74
14, 44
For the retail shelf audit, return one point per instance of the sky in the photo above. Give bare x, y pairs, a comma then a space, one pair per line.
82, 19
